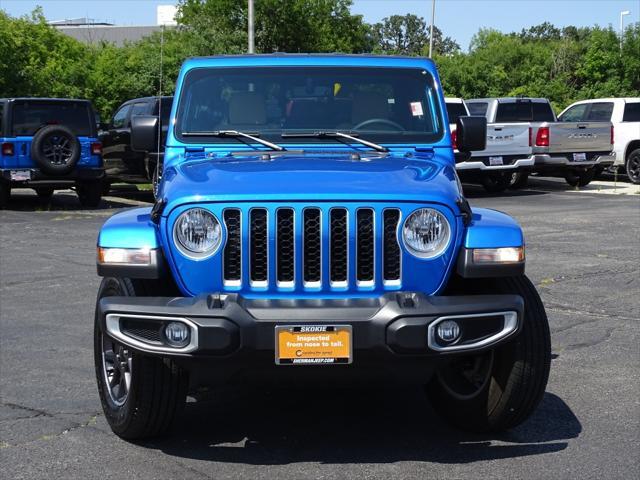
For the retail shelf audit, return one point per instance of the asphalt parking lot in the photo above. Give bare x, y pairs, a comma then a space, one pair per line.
583, 253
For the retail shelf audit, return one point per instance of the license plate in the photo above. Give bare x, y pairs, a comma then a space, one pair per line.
495, 161
579, 157
20, 175
313, 344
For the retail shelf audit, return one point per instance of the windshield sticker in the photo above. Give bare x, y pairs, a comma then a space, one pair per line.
416, 109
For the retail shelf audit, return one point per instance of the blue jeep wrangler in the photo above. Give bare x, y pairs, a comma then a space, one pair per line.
310, 226
47, 144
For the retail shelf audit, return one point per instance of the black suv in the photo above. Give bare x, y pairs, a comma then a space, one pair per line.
122, 163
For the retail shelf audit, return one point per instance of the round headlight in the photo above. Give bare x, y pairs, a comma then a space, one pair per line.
197, 232
426, 233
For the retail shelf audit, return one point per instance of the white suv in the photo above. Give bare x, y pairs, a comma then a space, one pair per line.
624, 113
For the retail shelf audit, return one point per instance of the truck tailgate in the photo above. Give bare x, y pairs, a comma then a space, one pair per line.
506, 139
571, 137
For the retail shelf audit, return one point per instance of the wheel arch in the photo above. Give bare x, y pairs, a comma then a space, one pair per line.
631, 146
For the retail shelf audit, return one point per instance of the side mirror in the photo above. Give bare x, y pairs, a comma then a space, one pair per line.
471, 133
144, 133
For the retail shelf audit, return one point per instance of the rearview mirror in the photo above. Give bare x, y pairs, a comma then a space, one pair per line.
471, 133
144, 133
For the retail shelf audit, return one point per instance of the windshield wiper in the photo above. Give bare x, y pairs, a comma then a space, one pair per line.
353, 138
235, 134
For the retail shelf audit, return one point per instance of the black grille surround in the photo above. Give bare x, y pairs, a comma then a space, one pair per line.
314, 248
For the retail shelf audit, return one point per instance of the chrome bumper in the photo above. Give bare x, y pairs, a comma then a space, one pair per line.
559, 161
479, 165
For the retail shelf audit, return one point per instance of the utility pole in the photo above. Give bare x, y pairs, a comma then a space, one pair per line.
252, 46
433, 16
622, 15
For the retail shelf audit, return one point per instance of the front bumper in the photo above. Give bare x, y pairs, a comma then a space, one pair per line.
392, 335
41, 179
510, 164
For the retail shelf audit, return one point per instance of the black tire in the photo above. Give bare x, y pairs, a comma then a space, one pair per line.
55, 149
44, 193
632, 166
516, 373
5, 193
106, 187
580, 178
90, 193
496, 182
519, 180
157, 387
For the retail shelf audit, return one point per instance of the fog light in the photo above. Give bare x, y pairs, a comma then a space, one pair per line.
177, 334
448, 331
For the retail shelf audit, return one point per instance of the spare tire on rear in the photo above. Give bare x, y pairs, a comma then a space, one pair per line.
55, 149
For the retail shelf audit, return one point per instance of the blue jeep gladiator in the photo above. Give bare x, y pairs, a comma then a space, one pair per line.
47, 144
310, 226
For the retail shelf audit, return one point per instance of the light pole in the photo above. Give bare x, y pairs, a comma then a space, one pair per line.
433, 16
252, 46
622, 15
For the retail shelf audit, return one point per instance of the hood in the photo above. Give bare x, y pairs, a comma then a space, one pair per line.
291, 177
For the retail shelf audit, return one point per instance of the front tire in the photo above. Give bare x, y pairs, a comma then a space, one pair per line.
580, 178
90, 193
496, 182
632, 166
140, 395
499, 389
519, 180
5, 193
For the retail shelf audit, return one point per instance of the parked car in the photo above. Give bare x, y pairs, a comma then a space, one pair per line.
310, 227
49, 144
507, 155
567, 149
122, 163
624, 113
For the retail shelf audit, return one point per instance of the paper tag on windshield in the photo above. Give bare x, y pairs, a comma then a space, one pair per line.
416, 109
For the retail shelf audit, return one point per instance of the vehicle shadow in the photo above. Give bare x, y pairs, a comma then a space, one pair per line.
26, 200
347, 426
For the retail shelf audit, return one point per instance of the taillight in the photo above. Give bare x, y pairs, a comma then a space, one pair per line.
542, 137
96, 148
454, 138
7, 149
530, 136
612, 136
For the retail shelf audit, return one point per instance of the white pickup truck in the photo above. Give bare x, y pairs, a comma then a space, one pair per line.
508, 151
624, 114
523, 135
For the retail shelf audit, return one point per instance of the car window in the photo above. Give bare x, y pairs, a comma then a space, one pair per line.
139, 109
455, 110
574, 114
631, 112
478, 108
1, 116
120, 119
381, 104
166, 103
600, 112
31, 115
542, 112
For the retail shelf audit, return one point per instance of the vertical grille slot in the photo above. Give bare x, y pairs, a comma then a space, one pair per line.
259, 246
391, 249
312, 256
285, 249
365, 246
233, 247
339, 246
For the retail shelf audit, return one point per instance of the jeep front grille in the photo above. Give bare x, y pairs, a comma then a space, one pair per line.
312, 248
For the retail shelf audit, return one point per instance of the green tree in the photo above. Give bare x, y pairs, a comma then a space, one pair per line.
409, 35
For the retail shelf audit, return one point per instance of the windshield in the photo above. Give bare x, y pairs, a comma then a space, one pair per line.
380, 104
29, 116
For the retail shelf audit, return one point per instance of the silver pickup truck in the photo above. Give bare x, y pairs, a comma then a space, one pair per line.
524, 136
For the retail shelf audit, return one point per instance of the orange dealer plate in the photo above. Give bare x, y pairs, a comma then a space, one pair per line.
313, 344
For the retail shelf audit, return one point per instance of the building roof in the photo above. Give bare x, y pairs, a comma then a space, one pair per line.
97, 33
